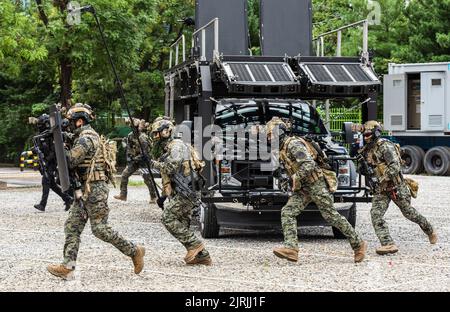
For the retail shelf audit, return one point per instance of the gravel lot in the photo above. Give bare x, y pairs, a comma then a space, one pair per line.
243, 261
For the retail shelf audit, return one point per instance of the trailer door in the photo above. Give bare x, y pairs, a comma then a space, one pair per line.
394, 104
433, 100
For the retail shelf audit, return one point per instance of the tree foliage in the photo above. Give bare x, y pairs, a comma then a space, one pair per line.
36, 41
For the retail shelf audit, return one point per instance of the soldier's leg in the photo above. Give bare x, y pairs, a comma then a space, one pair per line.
58, 191
175, 221
403, 201
289, 213
325, 203
98, 210
126, 174
380, 204
149, 183
73, 228
45, 192
186, 219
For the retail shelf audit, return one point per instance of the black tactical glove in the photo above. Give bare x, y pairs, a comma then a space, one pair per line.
160, 201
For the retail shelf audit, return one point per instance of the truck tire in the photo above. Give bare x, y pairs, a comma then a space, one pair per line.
209, 228
413, 158
351, 219
437, 161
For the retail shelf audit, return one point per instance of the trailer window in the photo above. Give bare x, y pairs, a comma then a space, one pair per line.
436, 82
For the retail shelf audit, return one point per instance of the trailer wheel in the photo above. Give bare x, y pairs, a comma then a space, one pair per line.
209, 227
351, 219
413, 158
437, 161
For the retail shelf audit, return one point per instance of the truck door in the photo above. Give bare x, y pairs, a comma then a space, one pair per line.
394, 107
432, 101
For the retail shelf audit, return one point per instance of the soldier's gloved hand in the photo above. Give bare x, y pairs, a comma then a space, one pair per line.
145, 158
160, 201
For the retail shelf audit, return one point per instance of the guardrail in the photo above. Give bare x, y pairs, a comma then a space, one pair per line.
321, 42
202, 31
175, 47
176, 44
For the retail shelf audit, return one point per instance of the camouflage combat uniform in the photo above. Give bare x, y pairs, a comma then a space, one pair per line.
310, 186
178, 210
135, 162
383, 155
95, 202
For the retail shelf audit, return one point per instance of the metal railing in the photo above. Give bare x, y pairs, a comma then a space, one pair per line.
176, 44
321, 42
175, 47
202, 31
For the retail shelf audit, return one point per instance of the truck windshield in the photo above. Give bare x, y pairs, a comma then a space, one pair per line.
242, 113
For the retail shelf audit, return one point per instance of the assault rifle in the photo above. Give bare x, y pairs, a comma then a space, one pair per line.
43, 167
366, 170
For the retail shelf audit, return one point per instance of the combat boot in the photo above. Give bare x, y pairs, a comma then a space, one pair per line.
385, 250
138, 259
197, 260
193, 252
286, 253
360, 253
121, 197
61, 271
39, 207
433, 238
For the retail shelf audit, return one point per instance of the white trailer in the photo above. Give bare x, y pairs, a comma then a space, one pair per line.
417, 114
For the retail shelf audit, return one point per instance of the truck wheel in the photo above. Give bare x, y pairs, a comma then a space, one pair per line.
351, 219
413, 158
437, 161
209, 227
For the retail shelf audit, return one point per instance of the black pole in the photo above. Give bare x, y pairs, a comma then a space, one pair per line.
124, 100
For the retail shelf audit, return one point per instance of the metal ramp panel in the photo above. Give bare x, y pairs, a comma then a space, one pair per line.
286, 27
233, 26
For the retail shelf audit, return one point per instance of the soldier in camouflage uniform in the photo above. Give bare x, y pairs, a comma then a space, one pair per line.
86, 161
384, 156
135, 161
178, 210
308, 185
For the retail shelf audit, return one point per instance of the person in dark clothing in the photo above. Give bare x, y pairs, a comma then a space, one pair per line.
43, 145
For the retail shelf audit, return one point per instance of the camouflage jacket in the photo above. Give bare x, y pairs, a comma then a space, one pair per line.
297, 160
384, 157
86, 143
133, 147
175, 153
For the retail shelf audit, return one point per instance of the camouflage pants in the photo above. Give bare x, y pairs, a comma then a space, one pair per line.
380, 204
131, 168
176, 218
97, 211
320, 195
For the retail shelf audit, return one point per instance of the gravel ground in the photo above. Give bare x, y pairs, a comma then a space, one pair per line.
243, 261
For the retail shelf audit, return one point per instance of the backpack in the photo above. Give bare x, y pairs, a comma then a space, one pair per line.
109, 149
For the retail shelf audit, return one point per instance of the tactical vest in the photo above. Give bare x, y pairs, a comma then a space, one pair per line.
292, 166
193, 163
380, 166
322, 168
92, 168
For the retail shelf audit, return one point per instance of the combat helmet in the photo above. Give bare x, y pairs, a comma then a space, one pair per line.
83, 111
277, 123
159, 125
372, 130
